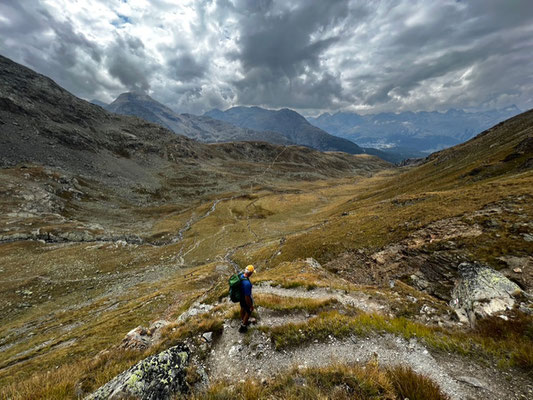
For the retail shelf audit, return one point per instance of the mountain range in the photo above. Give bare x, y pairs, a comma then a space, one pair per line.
408, 133
203, 129
41, 123
283, 127
296, 128
289, 123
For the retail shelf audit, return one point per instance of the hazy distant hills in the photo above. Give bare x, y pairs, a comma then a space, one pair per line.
203, 129
411, 133
295, 127
99, 103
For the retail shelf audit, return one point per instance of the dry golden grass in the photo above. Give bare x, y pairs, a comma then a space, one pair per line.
299, 273
410, 385
338, 382
95, 327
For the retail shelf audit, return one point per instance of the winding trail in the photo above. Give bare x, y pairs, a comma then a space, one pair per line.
233, 354
358, 300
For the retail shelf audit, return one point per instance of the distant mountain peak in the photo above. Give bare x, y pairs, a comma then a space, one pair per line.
287, 122
204, 129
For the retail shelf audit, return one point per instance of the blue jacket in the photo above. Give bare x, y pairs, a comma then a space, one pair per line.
246, 285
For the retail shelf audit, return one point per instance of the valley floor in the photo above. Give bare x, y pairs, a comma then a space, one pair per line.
381, 248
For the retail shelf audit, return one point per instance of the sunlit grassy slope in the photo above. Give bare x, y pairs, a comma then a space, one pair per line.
64, 303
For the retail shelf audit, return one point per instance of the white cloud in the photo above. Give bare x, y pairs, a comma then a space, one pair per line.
310, 55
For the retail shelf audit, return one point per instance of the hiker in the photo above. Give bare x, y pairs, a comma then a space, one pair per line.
240, 291
246, 301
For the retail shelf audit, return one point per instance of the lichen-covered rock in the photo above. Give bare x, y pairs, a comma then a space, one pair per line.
481, 291
157, 377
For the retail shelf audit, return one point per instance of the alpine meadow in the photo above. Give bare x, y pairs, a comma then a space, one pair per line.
266, 200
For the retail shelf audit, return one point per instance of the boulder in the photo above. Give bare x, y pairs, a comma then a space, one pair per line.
194, 310
136, 339
141, 338
158, 377
481, 291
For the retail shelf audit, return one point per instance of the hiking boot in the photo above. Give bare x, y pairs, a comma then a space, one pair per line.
243, 328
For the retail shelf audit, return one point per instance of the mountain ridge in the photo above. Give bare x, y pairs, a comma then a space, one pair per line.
201, 128
44, 124
295, 127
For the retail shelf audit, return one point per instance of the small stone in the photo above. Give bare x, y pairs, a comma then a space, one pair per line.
517, 270
234, 350
471, 381
411, 299
208, 337
527, 237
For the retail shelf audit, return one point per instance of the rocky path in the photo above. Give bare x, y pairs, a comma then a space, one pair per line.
359, 300
235, 356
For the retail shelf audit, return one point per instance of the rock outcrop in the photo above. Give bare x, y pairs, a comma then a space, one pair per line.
481, 292
157, 377
141, 338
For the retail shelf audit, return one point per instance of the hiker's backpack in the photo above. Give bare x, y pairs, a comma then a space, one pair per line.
235, 287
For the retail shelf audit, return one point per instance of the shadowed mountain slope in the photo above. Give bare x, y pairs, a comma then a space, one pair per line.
295, 127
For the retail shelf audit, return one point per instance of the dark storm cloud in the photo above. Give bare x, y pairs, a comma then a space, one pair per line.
484, 38
280, 53
184, 67
36, 38
128, 62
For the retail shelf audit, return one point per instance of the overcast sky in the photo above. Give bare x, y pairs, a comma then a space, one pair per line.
312, 56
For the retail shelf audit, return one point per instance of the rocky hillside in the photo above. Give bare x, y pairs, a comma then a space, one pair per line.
44, 124
201, 128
